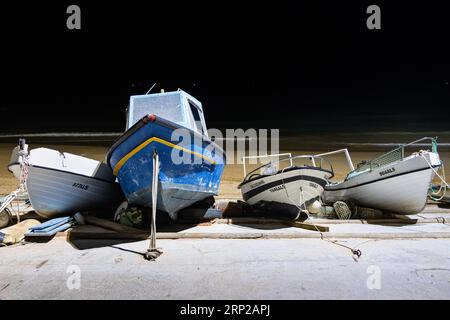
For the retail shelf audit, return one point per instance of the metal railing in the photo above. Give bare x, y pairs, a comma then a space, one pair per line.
312, 158
289, 156
394, 155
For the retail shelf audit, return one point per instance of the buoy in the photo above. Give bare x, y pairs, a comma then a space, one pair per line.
314, 207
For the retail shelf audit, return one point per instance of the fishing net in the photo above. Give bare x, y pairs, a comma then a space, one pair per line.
342, 210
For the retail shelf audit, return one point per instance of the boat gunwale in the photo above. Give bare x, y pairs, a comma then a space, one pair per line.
76, 174
400, 147
373, 181
169, 124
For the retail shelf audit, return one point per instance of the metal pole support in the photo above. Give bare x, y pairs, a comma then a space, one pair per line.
152, 252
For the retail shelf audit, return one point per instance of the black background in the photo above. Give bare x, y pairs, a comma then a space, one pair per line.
302, 66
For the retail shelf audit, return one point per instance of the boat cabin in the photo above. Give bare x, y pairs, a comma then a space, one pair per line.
176, 106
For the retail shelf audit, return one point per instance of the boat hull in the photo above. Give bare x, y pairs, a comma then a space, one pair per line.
181, 183
400, 187
55, 192
286, 193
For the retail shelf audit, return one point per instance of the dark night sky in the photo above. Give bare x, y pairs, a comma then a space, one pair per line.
280, 65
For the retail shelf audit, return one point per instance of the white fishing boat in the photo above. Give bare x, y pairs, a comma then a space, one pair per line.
393, 182
63, 183
286, 187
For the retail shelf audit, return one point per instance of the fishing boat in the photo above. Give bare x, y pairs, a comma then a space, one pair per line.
63, 183
285, 187
393, 182
172, 126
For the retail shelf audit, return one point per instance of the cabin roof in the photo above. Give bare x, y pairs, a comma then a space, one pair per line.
175, 106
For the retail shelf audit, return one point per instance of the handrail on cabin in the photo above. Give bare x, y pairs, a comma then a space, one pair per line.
401, 149
290, 158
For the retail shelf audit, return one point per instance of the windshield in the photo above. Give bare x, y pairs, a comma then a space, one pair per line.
167, 106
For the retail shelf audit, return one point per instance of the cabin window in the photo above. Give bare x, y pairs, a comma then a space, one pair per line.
197, 118
167, 106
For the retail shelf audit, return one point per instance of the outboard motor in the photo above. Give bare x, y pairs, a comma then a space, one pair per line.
21, 143
23, 147
18, 155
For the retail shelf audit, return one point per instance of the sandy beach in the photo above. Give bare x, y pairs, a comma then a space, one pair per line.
232, 176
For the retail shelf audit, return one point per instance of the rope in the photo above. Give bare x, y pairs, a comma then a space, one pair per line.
292, 201
438, 219
443, 186
10, 198
7, 201
356, 252
61, 154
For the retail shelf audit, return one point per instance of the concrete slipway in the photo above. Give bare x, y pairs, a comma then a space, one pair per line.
241, 261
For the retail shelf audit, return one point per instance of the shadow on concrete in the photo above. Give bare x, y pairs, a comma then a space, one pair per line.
444, 205
389, 222
39, 239
128, 250
262, 225
84, 244
87, 236
84, 237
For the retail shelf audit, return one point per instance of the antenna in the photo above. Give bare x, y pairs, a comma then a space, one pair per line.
151, 88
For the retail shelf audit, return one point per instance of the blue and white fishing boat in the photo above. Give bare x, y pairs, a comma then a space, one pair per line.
172, 125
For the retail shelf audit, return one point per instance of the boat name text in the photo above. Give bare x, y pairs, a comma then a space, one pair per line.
80, 186
387, 171
313, 185
278, 188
